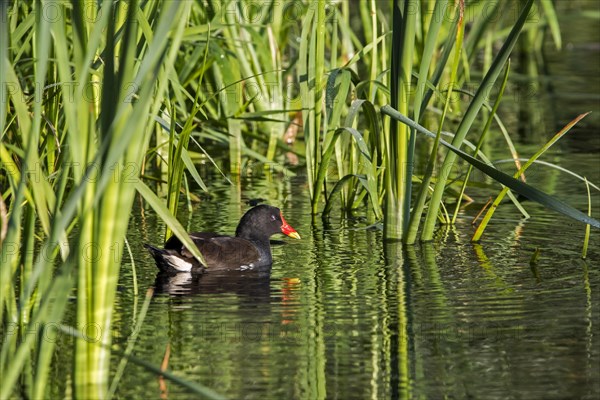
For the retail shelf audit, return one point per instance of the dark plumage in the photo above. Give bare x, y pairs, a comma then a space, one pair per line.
249, 249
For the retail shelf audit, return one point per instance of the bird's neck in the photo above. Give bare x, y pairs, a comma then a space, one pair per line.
262, 244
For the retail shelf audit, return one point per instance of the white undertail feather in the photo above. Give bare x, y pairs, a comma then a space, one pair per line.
178, 263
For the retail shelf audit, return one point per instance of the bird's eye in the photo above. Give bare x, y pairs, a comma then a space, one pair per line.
273, 217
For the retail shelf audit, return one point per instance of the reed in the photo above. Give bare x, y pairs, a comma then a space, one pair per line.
351, 153
513, 184
74, 132
410, 233
102, 93
468, 120
398, 170
586, 238
480, 229
376, 160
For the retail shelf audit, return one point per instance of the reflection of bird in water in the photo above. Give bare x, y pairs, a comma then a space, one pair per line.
252, 284
251, 287
289, 298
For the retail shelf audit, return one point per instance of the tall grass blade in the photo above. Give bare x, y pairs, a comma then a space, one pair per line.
469, 118
364, 154
312, 85
179, 160
338, 86
196, 388
519, 173
586, 239
307, 94
4, 63
415, 218
479, 26
168, 218
514, 184
441, 62
554, 166
430, 41
130, 344
397, 203
45, 316
486, 129
550, 12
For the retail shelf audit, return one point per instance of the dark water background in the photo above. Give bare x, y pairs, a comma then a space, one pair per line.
345, 316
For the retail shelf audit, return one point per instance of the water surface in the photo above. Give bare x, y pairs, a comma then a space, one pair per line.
344, 315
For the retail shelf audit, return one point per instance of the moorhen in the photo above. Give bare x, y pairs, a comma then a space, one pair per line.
250, 249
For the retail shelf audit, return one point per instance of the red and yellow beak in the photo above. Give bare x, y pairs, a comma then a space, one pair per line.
287, 229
